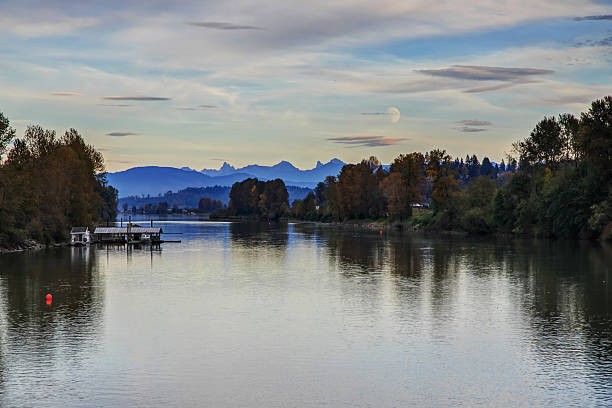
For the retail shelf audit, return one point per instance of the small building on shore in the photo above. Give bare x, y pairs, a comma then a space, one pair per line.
80, 236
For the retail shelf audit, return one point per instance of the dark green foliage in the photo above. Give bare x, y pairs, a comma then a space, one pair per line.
258, 199
563, 187
507, 201
207, 205
357, 192
487, 168
305, 209
7, 134
50, 183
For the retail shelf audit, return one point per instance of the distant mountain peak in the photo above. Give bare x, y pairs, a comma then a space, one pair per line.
226, 166
284, 165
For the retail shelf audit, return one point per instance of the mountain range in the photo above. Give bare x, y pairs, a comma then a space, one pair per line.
155, 180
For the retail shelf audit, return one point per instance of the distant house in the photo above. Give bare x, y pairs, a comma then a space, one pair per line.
79, 236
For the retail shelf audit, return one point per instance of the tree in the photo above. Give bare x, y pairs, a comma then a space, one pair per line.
403, 186
544, 146
50, 183
440, 171
305, 209
569, 132
594, 137
207, 205
274, 201
487, 168
357, 192
7, 134
473, 167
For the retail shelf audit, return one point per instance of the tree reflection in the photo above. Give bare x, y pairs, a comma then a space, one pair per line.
32, 333
561, 290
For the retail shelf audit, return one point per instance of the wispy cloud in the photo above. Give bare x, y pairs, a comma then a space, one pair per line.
473, 125
199, 107
374, 113
467, 129
116, 105
603, 17
367, 141
483, 73
136, 98
33, 27
473, 122
64, 93
604, 42
103, 149
494, 87
122, 134
121, 161
222, 26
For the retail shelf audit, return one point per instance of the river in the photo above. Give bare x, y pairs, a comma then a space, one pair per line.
304, 315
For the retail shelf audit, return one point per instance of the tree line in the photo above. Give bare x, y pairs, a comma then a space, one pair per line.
205, 205
255, 199
557, 182
49, 183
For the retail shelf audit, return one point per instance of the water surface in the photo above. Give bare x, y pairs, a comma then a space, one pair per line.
243, 315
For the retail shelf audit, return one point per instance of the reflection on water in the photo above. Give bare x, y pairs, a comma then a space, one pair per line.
257, 314
36, 338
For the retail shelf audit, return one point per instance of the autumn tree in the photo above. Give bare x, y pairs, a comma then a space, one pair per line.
50, 183
403, 186
443, 178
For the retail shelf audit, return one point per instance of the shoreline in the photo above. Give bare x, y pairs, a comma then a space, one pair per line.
30, 245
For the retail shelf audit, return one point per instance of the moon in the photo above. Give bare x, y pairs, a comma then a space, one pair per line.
394, 114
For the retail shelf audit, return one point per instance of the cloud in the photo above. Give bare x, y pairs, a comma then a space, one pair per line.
64, 93
471, 122
604, 42
604, 17
44, 26
120, 161
367, 141
136, 98
116, 105
103, 149
467, 129
222, 26
374, 113
199, 107
494, 87
483, 73
122, 134
473, 125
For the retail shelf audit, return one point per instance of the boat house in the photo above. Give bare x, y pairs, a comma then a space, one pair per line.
132, 233
79, 236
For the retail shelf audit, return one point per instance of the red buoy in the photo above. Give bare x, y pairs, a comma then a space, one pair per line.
49, 298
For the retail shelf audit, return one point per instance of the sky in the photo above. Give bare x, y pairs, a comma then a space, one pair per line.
196, 83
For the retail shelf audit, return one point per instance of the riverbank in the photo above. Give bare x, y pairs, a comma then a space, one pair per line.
30, 245
414, 224
27, 245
